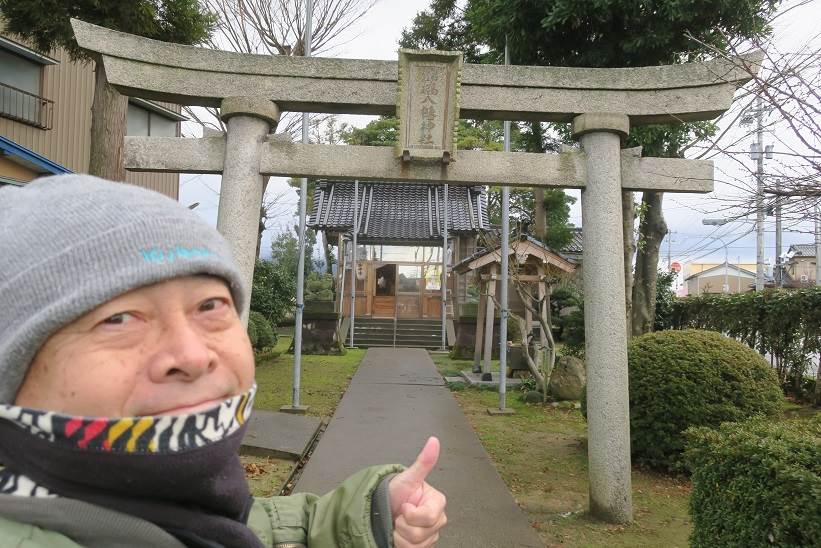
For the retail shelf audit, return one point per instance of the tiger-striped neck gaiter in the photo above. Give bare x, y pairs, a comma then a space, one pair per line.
180, 472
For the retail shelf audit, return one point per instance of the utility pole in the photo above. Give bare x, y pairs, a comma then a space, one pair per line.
295, 406
757, 153
444, 287
779, 276
759, 199
354, 231
817, 246
669, 254
504, 251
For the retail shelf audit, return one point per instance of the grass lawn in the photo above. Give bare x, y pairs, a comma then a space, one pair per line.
449, 367
795, 410
541, 454
323, 382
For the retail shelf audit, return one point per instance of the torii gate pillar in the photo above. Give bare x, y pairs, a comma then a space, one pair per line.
249, 120
605, 323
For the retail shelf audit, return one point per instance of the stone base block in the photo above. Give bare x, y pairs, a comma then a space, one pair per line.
294, 409
493, 411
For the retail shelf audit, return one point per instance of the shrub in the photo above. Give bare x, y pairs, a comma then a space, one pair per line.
459, 352
784, 323
319, 287
253, 335
514, 330
680, 379
273, 290
264, 335
756, 484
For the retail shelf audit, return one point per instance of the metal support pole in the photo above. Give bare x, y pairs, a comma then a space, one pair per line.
605, 321
817, 247
445, 271
503, 313
779, 275
303, 204
759, 198
353, 255
726, 288
343, 264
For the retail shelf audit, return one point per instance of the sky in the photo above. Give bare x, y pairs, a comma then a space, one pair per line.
376, 37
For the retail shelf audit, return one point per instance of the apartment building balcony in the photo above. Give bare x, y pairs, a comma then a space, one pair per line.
26, 108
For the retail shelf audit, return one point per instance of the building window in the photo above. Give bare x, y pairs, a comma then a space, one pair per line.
143, 122
409, 276
20, 85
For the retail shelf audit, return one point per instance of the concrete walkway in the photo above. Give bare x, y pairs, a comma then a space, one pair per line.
395, 401
280, 435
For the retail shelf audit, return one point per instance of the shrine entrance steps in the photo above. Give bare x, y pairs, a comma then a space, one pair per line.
395, 401
410, 333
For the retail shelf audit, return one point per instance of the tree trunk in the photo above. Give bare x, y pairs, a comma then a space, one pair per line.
263, 214
539, 214
534, 142
651, 231
326, 247
108, 120
628, 213
541, 376
818, 384
261, 228
541, 379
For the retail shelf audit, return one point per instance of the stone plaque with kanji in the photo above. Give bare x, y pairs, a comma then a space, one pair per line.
428, 104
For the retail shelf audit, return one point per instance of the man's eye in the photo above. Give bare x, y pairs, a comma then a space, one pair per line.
211, 304
118, 319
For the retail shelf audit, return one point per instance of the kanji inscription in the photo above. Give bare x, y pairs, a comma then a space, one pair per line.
428, 104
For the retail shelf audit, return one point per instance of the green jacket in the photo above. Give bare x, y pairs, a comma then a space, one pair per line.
354, 515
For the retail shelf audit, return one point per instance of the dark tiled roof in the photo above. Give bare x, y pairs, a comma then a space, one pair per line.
803, 250
398, 211
575, 245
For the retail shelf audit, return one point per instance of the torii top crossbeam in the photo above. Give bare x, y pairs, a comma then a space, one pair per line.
196, 76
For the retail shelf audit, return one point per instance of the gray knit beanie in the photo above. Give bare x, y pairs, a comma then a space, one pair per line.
73, 242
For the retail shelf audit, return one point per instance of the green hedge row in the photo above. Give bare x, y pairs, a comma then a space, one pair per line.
784, 323
756, 484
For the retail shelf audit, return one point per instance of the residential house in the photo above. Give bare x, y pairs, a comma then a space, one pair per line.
800, 266
701, 278
45, 117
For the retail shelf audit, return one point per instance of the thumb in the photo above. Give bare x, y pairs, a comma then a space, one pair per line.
425, 461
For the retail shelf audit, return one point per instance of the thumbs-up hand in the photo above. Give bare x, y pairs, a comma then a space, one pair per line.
418, 509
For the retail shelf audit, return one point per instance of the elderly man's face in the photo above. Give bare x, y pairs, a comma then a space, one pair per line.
175, 347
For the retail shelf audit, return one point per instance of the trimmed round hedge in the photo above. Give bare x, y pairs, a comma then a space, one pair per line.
260, 331
680, 379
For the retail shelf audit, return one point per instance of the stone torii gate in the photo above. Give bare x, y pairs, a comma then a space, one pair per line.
602, 104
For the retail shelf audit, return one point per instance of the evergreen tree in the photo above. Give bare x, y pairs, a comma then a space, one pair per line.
47, 24
605, 33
